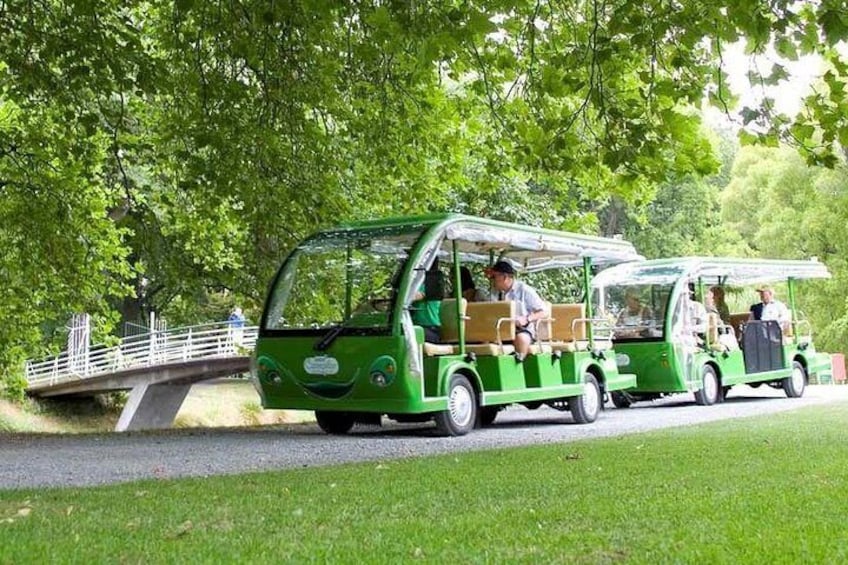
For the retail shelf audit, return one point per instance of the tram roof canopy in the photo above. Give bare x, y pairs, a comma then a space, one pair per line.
727, 270
528, 248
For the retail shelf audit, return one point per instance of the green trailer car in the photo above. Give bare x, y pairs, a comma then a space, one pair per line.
674, 329
338, 334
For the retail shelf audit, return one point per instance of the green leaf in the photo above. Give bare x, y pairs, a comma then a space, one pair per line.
747, 138
833, 23
479, 23
809, 41
778, 73
842, 135
803, 132
749, 115
785, 47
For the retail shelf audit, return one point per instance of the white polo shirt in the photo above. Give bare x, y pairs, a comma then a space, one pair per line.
526, 299
777, 311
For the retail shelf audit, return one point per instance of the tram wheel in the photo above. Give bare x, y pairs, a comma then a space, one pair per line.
461, 414
585, 408
335, 423
795, 384
709, 387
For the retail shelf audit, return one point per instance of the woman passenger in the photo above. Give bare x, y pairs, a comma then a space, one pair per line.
469, 289
720, 305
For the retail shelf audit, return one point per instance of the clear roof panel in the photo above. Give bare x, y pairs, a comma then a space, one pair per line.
732, 271
532, 249
528, 248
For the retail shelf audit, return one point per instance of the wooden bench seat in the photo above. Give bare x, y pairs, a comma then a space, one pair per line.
566, 330
449, 328
489, 328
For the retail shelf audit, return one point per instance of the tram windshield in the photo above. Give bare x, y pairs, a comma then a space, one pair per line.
635, 299
342, 277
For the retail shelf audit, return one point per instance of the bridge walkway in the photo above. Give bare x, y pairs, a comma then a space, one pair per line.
158, 368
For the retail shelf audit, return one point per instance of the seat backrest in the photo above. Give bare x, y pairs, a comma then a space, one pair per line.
737, 319
562, 325
449, 331
482, 323
543, 324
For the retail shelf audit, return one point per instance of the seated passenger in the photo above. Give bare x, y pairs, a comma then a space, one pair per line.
427, 303
721, 307
697, 316
634, 318
529, 306
712, 308
769, 308
470, 292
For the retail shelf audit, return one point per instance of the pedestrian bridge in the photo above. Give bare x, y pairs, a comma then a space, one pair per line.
158, 368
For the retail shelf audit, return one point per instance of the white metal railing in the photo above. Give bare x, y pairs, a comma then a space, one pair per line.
219, 339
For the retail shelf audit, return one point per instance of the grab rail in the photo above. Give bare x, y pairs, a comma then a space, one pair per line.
219, 339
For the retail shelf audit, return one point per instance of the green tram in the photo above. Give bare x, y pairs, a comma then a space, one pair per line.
337, 334
664, 333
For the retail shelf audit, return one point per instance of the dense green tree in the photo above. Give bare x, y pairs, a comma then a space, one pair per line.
784, 209
684, 216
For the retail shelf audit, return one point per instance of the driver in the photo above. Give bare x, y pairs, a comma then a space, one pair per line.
635, 316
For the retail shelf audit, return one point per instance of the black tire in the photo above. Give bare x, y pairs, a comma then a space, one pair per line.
585, 408
488, 414
709, 387
461, 414
621, 399
335, 423
795, 384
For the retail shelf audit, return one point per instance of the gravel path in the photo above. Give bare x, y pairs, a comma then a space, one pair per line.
29, 460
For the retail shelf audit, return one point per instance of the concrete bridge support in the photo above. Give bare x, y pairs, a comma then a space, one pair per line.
152, 406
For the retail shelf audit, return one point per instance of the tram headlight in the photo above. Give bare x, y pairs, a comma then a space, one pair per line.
267, 371
383, 371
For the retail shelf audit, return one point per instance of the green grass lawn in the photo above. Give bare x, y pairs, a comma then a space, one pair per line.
766, 490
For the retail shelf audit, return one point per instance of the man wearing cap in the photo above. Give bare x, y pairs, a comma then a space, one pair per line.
769, 308
529, 306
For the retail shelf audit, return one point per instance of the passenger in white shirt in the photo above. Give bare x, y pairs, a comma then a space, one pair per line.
769, 308
529, 306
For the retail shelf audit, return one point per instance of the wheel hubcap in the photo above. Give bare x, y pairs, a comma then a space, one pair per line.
710, 385
591, 399
460, 406
797, 379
